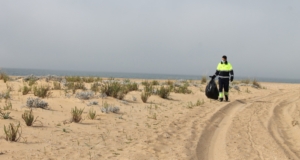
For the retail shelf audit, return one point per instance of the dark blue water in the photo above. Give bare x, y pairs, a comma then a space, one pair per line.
42, 72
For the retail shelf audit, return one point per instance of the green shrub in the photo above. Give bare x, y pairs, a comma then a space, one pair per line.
56, 86
8, 105
88, 79
95, 87
182, 89
4, 77
169, 82
203, 80
5, 95
246, 81
26, 90
164, 92
256, 84
154, 83
92, 114
145, 96
76, 114
4, 115
41, 91
12, 133
28, 117
131, 87
146, 83
114, 89
75, 85
73, 79
32, 81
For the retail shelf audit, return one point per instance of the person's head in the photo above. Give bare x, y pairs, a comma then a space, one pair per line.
224, 58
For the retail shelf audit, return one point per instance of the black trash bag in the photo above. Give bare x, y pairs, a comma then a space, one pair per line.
211, 90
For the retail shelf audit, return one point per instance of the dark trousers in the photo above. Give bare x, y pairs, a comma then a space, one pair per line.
223, 84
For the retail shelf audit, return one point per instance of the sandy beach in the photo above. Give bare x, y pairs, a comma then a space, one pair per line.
257, 123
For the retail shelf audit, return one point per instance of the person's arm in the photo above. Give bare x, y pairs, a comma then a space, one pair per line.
231, 73
217, 72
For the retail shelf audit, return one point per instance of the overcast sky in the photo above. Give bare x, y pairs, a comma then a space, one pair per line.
261, 38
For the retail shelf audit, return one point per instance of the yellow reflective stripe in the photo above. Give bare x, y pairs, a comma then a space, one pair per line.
220, 95
226, 93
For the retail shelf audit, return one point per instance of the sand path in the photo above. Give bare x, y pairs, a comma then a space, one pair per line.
256, 128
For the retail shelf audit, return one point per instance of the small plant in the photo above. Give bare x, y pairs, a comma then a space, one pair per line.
154, 83
8, 105
5, 95
256, 84
56, 86
28, 117
164, 92
5, 115
95, 87
4, 76
92, 103
36, 103
199, 103
13, 133
246, 81
169, 82
107, 108
41, 91
182, 89
26, 90
92, 114
85, 95
76, 114
145, 96
32, 82
203, 80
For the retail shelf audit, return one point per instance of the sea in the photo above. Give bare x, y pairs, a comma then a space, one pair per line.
45, 72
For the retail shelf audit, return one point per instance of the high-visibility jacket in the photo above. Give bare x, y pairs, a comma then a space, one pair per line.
224, 70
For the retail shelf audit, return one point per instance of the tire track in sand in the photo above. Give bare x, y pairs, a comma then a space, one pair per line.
282, 130
216, 131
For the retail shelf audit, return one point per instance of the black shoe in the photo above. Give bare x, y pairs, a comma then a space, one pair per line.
221, 99
226, 98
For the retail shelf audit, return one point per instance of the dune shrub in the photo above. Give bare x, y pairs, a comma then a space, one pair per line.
106, 108
246, 81
76, 114
164, 92
56, 86
73, 79
5, 115
13, 132
4, 77
41, 91
85, 95
28, 118
26, 90
255, 83
203, 80
92, 114
36, 103
113, 89
95, 87
182, 89
8, 105
88, 79
145, 96
155, 83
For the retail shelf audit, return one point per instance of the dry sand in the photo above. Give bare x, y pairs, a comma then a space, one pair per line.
255, 124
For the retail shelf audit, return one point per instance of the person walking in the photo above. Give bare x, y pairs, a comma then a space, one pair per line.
225, 73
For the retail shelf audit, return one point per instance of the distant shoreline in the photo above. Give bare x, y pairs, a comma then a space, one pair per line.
44, 72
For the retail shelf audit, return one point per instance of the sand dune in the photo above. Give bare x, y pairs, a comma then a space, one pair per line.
255, 124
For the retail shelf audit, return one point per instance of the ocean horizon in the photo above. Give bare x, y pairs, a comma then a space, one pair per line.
46, 72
